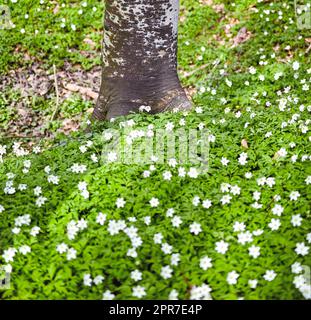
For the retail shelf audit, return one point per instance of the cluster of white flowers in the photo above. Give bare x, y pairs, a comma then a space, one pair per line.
242, 234
82, 186
9, 254
74, 227
88, 281
63, 248
78, 168
202, 292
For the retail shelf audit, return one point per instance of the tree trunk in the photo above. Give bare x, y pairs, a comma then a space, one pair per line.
139, 58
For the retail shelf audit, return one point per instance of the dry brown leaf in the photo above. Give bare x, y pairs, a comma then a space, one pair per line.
56, 9
242, 36
90, 42
244, 143
84, 91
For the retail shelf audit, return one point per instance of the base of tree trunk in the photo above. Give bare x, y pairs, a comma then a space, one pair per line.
120, 97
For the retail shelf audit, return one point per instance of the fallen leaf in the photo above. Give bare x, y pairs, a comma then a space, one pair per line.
244, 143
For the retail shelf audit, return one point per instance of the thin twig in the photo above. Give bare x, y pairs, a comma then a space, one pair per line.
57, 93
190, 73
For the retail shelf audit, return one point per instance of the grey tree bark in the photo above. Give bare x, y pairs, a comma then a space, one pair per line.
139, 58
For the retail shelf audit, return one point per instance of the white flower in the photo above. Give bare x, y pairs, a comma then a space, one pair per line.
176, 221
167, 175
277, 210
94, 158
301, 249
261, 181
35, 231
221, 247
82, 185
181, 172
108, 295
224, 161
170, 212
154, 202
269, 275
37, 191
299, 281
294, 195
175, 258
256, 205
169, 126
2, 150
173, 295
146, 174
40, 201
193, 173
8, 268
62, 248
24, 249
22, 187
256, 195
166, 272
296, 65
139, 292
282, 153
252, 283
232, 277
296, 268
270, 182
274, 224
245, 237
16, 230
195, 228
239, 226
166, 248
248, 175
147, 220
252, 70
205, 263
136, 242
53, 179
8, 255
235, 190
114, 227
71, 254
136, 275
225, 187
120, 203
98, 279
157, 238
243, 158
254, 251
206, 203
87, 280
257, 232
132, 253
101, 218
196, 200
296, 220
225, 199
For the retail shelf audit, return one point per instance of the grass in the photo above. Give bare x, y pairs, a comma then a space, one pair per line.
264, 114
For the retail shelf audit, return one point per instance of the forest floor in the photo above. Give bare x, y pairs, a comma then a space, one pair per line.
78, 223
